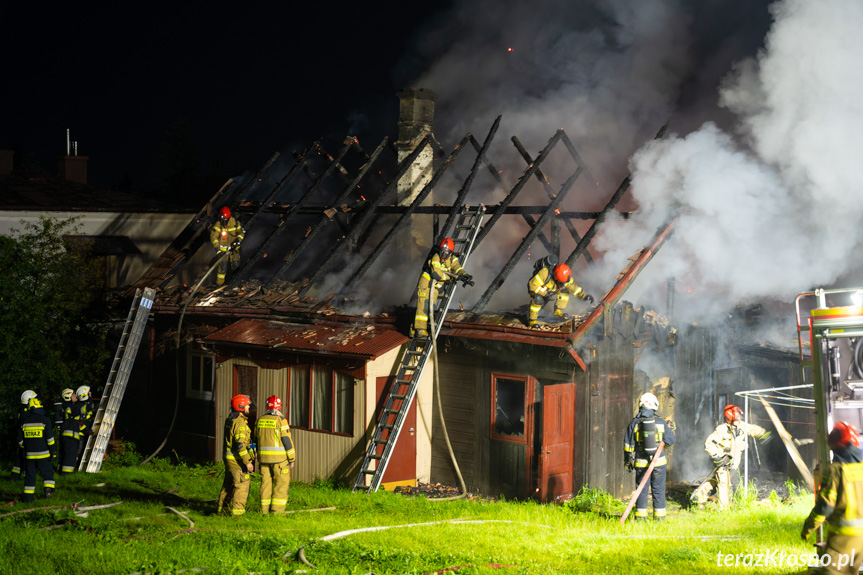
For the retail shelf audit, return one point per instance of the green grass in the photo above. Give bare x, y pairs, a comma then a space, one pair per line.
583, 536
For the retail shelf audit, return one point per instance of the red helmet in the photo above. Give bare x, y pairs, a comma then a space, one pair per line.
225, 213
732, 413
240, 402
446, 247
562, 273
843, 435
273, 402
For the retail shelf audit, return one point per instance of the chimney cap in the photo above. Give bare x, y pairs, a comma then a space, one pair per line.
418, 93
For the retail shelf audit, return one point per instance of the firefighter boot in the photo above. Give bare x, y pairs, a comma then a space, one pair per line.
49, 492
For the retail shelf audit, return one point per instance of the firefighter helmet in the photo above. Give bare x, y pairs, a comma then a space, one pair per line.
562, 273
225, 213
83, 392
67, 394
649, 401
732, 413
843, 435
446, 248
27, 396
273, 402
240, 402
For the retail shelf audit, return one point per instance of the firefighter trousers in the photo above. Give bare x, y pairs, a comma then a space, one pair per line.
232, 261
68, 454
840, 548
275, 482
43, 466
657, 489
424, 304
235, 489
721, 482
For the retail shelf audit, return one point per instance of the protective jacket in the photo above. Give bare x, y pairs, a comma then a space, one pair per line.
223, 235
636, 443
435, 269
730, 439
36, 435
274, 439
86, 415
237, 438
71, 426
542, 287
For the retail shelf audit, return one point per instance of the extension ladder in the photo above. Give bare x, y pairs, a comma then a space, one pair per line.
413, 362
115, 387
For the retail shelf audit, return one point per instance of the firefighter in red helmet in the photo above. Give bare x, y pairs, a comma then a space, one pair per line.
226, 235
238, 458
837, 502
442, 266
552, 281
726, 446
276, 455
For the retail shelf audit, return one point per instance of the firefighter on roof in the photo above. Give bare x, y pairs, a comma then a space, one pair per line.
36, 437
23, 412
725, 446
276, 455
70, 431
838, 502
552, 281
442, 266
238, 458
226, 235
640, 444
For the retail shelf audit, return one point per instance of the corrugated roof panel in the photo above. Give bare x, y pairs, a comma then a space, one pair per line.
357, 339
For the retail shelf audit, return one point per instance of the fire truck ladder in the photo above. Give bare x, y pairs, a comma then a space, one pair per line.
410, 371
115, 387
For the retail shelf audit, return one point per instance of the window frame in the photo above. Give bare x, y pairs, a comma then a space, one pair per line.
198, 392
332, 406
528, 390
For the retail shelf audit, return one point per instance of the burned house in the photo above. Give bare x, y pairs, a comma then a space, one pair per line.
318, 313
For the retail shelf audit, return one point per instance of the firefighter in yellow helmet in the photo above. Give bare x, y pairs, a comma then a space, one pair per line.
36, 437
552, 281
226, 235
238, 458
276, 455
442, 266
838, 502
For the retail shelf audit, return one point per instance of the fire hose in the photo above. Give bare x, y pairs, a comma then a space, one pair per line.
643, 482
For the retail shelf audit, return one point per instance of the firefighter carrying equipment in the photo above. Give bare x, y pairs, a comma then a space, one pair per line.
70, 436
640, 444
36, 437
439, 268
543, 286
226, 236
277, 455
235, 487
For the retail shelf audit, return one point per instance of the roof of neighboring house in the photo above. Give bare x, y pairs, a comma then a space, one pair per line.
368, 340
49, 194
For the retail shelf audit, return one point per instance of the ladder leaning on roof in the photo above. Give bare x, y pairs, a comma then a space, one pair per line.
413, 362
115, 387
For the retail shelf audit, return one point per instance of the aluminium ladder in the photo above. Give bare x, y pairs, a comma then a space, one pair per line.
413, 362
115, 387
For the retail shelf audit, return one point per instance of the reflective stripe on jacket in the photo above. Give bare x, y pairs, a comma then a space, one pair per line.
237, 438
36, 435
632, 439
839, 500
222, 236
273, 434
731, 440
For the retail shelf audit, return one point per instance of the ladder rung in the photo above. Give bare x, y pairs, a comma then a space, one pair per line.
398, 396
369, 471
381, 441
375, 456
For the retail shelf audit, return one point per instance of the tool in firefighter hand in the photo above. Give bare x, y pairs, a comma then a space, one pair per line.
643, 482
710, 477
465, 279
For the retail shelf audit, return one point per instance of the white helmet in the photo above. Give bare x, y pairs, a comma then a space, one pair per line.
649, 401
83, 392
27, 396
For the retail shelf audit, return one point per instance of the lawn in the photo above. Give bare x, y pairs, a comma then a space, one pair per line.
166, 523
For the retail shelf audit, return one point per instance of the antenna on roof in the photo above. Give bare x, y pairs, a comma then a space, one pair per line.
68, 145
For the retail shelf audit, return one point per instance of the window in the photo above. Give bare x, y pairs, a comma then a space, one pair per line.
199, 376
322, 399
508, 395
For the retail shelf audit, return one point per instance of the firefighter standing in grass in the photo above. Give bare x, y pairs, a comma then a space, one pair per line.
443, 265
226, 235
70, 431
276, 455
838, 502
640, 444
86, 416
238, 458
23, 412
36, 437
726, 445
552, 281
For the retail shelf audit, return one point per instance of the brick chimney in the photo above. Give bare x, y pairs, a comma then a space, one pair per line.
416, 119
74, 168
6, 163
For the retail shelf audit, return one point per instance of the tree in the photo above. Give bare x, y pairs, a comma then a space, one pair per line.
53, 318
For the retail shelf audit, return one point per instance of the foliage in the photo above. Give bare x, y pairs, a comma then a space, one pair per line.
52, 315
594, 500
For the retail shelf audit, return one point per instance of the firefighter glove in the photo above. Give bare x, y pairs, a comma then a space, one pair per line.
466, 280
724, 462
235, 244
766, 438
629, 466
588, 298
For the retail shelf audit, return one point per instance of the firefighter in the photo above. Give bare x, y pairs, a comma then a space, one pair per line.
640, 444
552, 281
442, 266
238, 458
23, 411
36, 437
725, 446
86, 415
837, 502
70, 431
226, 235
276, 455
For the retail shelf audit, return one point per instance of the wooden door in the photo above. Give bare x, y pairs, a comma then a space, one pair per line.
558, 434
402, 466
